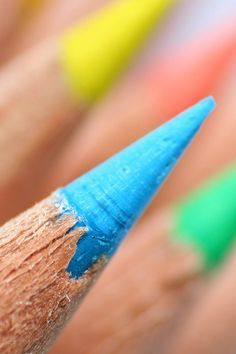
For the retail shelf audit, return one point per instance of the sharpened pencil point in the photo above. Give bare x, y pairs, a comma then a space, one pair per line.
109, 199
94, 52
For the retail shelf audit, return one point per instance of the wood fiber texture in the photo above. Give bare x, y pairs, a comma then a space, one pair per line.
140, 299
36, 292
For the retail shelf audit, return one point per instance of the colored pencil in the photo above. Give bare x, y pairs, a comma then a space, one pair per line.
45, 92
148, 290
51, 253
146, 100
211, 326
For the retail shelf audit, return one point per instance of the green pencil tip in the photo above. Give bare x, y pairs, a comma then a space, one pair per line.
207, 218
94, 52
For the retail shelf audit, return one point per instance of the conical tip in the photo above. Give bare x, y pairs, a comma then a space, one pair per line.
110, 198
205, 107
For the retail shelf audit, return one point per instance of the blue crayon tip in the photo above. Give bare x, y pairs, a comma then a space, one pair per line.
110, 198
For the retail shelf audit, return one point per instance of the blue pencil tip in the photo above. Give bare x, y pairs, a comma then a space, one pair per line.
109, 199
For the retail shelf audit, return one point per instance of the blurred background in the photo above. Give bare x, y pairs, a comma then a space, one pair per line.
190, 55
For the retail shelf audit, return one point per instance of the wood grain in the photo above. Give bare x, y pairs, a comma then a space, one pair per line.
37, 294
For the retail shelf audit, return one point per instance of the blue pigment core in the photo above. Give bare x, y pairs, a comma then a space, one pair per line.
110, 198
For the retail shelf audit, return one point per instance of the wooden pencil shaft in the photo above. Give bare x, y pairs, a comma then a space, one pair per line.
145, 292
37, 115
37, 294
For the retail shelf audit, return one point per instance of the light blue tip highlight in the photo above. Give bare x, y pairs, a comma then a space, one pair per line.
110, 198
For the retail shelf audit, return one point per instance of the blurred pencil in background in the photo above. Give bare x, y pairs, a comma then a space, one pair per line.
53, 17
44, 93
12, 14
159, 91
63, 111
210, 328
172, 253
51, 253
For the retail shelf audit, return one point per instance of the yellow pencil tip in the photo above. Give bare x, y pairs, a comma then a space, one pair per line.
94, 52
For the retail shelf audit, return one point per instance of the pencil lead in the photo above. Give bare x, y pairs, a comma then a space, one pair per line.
206, 219
109, 199
94, 52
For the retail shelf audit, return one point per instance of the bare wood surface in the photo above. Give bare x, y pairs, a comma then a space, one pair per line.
37, 295
140, 299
